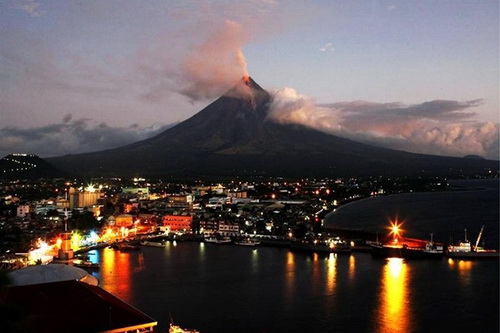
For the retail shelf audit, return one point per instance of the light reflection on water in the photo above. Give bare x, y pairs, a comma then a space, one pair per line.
464, 269
352, 268
331, 273
117, 269
289, 278
255, 261
394, 310
316, 274
343, 291
115, 273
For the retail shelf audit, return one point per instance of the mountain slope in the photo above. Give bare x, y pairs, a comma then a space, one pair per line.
232, 136
26, 166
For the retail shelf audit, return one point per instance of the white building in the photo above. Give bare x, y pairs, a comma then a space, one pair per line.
23, 210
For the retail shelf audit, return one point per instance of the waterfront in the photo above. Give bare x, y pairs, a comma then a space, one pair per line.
237, 289
446, 214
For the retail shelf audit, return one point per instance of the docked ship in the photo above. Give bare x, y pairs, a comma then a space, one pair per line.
465, 250
407, 248
85, 264
247, 242
127, 247
218, 240
321, 245
177, 329
152, 244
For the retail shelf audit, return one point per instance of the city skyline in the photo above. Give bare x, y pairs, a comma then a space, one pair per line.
421, 77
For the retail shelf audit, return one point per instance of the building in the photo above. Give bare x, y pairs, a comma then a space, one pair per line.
23, 210
83, 198
96, 210
216, 202
141, 193
228, 228
124, 220
178, 222
238, 194
62, 203
44, 209
130, 207
180, 202
209, 226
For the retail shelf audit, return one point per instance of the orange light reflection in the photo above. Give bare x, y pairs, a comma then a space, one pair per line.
289, 278
464, 268
332, 273
394, 313
115, 269
352, 268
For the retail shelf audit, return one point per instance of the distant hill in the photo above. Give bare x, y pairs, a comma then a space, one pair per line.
474, 157
233, 137
26, 166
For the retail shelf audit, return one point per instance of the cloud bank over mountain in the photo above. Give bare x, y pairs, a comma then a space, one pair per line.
72, 136
436, 127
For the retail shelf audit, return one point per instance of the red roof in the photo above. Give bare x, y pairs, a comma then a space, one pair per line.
73, 306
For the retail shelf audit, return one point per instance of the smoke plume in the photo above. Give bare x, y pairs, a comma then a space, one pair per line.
204, 70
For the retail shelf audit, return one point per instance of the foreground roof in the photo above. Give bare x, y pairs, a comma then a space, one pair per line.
72, 306
49, 273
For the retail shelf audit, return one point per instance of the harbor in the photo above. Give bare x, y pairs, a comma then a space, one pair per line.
288, 286
325, 275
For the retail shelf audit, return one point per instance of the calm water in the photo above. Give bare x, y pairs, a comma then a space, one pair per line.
224, 288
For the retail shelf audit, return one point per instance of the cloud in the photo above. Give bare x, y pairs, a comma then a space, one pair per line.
436, 127
29, 6
391, 7
72, 136
328, 47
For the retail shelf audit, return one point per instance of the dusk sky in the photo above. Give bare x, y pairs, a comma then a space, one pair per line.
421, 76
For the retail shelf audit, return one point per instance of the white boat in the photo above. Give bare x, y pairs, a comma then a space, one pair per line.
177, 329
127, 247
218, 240
465, 250
433, 248
152, 244
85, 264
321, 245
247, 242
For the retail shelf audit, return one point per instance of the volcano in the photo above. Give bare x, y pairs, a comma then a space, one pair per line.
234, 137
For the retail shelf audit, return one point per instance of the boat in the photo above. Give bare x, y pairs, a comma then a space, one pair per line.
273, 241
152, 244
218, 240
408, 248
432, 248
247, 242
177, 329
402, 250
85, 264
465, 250
127, 247
320, 245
